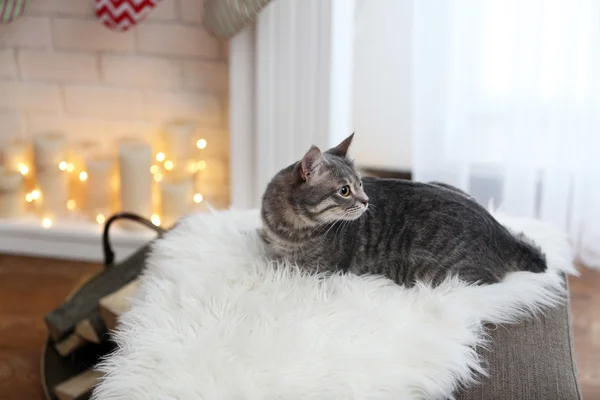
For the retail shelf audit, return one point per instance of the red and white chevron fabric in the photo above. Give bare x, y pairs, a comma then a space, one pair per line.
121, 15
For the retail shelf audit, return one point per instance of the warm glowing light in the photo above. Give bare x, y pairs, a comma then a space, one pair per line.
201, 165
158, 177
71, 204
70, 167
35, 194
155, 219
168, 165
198, 198
154, 169
23, 169
160, 157
201, 144
82, 176
63, 165
29, 197
46, 222
192, 167
100, 218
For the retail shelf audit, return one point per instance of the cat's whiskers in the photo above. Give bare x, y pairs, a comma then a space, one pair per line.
338, 214
342, 227
322, 225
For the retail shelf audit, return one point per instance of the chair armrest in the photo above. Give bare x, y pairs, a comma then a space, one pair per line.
532, 360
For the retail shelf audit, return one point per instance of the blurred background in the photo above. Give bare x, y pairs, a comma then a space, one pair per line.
167, 107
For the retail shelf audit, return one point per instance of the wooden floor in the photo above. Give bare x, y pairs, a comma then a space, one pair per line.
585, 307
31, 287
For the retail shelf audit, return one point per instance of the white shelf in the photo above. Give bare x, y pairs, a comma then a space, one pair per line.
74, 239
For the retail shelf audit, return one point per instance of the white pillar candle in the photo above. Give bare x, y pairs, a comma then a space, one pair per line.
176, 199
11, 193
50, 150
99, 186
178, 138
135, 160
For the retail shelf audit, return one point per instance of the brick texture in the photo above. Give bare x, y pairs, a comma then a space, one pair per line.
61, 69
191, 10
164, 11
89, 35
141, 72
180, 40
11, 125
51, 66
26, 32
58, 59
8, 67
208, 76
74, 128
202, 107
91, 101
61, 7
29, 97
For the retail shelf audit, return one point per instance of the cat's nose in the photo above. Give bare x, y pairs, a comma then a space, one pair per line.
365, 202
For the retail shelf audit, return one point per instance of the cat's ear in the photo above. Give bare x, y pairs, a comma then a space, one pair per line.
342, 148
307, 167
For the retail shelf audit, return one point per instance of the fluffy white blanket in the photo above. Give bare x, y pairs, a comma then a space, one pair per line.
213, 320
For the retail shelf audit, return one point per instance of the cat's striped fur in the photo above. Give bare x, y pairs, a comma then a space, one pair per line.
406, 231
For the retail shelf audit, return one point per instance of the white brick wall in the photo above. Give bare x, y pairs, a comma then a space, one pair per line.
62, 69
8, 68
29, 32
191, 10
141, 72
36, 65
89, 35
169, 39
102, 102
25, 96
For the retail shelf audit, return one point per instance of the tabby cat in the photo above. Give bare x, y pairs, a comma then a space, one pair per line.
320, 214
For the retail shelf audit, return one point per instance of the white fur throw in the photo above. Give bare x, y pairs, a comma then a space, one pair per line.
213, 320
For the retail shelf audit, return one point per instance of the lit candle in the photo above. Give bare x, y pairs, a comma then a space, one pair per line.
135, 160
50, 150
99, 188
11, 193
176, 199
179, 143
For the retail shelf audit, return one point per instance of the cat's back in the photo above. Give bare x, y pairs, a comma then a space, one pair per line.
418, 197
430, 212
437, 224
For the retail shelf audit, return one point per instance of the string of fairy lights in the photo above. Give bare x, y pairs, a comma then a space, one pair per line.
78, 179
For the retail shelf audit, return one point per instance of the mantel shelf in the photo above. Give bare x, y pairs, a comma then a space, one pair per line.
69, 238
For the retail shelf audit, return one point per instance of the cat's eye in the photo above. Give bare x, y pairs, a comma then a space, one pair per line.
344, 191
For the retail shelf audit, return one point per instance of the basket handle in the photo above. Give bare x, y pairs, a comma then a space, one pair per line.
109, 254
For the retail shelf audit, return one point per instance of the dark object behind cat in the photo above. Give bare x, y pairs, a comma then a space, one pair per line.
319, 213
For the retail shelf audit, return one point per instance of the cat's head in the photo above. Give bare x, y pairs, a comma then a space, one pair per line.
326, 186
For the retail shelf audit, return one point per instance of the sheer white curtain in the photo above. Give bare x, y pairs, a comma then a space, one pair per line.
507, 107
